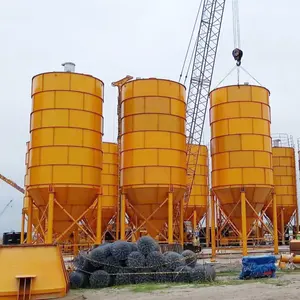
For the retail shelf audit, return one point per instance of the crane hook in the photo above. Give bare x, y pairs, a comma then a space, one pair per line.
237, 55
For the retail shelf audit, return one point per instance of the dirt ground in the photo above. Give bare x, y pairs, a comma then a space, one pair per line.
285, 286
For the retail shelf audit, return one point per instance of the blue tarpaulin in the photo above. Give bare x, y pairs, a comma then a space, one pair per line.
258, 267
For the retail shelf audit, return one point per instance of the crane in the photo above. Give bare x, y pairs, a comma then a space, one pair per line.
6, 206
200, 82
13, 184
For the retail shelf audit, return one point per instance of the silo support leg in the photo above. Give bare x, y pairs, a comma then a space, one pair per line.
99, 220
282, 227
29, 221
122, 212
181, 221
118, 223
213, 228
22, 227
275, 232
244, 224
76, 241
170, 218
195, 220
207, 226
49, 238
297, 221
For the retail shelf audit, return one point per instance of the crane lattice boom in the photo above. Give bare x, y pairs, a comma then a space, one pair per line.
200, 82
13, 184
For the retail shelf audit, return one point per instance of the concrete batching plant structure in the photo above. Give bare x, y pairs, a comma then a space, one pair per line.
284, 169
241, 152
65, 153
153, 156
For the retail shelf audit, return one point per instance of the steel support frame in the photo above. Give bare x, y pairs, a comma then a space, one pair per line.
243, 234
170, 226
50, 237
288, 225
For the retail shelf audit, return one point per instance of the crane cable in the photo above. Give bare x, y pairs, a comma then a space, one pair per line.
189, 46
237, 53
236, 24
6, 206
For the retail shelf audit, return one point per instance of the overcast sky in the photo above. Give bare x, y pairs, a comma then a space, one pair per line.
143, 38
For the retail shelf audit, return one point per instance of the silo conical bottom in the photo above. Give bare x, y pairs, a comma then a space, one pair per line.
143, 202
256, 196
74, 200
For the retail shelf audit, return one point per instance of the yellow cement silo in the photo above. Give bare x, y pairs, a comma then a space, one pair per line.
65, 155
109, 179
153, 153
285, 181
197, 205
241, 151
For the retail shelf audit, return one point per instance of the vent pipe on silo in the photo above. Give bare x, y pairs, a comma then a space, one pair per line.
69, 67
277, 142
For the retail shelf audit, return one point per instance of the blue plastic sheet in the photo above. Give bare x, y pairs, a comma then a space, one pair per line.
259, 260
258, 267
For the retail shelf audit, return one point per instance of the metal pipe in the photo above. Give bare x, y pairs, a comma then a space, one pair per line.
290, 258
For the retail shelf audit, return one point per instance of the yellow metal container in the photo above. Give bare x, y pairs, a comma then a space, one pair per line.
284, 169
197, 205
65, 152
241, 149
153, 147
109, 187
33, 272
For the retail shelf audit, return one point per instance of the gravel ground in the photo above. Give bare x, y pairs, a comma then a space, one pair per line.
286, 286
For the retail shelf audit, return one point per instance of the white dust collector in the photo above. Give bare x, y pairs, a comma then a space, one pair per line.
69, 67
